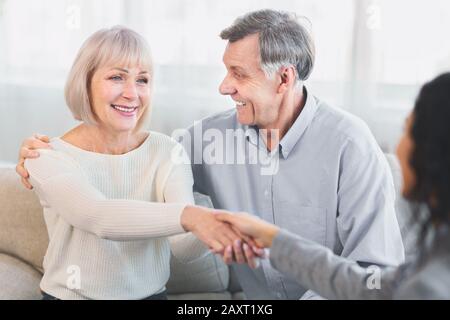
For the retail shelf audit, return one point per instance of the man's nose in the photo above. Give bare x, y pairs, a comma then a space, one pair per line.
227, 87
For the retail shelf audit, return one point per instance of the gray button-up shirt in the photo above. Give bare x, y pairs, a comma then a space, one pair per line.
328, 181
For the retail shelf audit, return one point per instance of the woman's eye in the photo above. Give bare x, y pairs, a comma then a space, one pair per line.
143, 80
116, 78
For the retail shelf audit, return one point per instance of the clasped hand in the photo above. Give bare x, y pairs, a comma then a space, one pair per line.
221, 236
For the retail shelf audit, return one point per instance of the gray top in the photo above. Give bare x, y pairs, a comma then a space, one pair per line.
334, 277
328, 182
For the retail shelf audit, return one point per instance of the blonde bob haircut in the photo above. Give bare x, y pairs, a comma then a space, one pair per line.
115, 46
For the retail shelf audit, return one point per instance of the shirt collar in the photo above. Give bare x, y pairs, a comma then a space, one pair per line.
252, 134
295, 132
300, 125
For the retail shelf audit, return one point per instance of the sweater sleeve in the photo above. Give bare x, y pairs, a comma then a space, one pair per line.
62, 186
317, 268
178, 189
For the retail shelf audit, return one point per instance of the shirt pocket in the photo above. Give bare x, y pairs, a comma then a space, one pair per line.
308, 222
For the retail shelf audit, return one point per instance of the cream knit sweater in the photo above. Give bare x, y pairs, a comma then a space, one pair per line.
106, 220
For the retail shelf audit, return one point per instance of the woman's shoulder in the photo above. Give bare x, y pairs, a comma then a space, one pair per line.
162, 142
51, 162
166, 149
55, 153
161, 138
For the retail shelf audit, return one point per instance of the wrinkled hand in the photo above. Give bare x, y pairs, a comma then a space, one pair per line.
260, 231
27, 151
203, 224
247, 251
221, 237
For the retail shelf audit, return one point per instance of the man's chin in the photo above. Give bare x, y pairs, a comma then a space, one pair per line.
245, 121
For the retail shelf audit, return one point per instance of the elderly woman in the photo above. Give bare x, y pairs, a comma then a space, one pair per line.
112, 192
424, 154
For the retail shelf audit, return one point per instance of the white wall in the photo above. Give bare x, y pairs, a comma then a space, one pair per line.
372, 57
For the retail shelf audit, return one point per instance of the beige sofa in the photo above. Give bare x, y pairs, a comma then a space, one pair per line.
23, 241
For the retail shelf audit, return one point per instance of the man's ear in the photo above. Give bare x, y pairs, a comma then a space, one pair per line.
287, 78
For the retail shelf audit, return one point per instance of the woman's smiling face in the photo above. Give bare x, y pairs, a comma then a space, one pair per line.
119, 96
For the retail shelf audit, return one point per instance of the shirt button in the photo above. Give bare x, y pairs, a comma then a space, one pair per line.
266, 193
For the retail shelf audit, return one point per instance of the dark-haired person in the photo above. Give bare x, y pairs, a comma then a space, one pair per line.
424, 154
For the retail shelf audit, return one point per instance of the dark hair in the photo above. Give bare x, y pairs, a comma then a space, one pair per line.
430, 158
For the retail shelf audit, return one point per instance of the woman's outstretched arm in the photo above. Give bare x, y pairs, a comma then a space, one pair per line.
62, 187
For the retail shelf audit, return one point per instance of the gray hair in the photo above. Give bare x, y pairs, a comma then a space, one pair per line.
283, 41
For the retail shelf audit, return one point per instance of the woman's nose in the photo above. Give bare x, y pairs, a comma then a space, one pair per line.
130, 90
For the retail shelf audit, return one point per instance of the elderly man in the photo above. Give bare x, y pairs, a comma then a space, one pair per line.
317, 170
291, 159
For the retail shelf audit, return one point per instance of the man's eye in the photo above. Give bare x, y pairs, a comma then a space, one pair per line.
238, 75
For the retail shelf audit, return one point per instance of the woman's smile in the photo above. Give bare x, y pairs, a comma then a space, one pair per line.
125, 111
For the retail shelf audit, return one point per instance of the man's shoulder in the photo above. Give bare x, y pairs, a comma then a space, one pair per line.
341, 125
340, 120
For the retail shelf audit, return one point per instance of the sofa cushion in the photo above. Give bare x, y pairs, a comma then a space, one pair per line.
18, 280
205, 274
234, 285
23, 232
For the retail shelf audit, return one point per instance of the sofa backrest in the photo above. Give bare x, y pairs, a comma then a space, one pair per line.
23, 233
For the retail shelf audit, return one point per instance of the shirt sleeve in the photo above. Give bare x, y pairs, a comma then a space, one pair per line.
367, 225
193, 145
332, 277
62, 186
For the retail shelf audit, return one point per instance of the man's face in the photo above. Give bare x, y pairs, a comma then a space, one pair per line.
257, 98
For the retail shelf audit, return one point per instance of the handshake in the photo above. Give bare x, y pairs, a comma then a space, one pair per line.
237, 237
